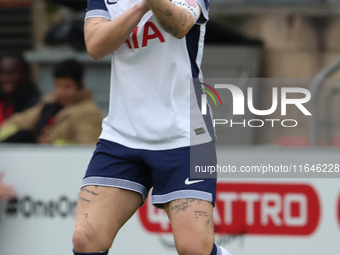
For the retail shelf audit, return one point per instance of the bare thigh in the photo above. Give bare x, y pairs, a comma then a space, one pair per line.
192, 225
101, 212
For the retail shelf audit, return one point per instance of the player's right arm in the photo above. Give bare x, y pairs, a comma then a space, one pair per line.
103, 36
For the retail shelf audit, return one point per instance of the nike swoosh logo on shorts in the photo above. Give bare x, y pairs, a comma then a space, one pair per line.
187, 182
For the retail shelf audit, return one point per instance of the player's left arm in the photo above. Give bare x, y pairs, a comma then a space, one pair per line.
174, 19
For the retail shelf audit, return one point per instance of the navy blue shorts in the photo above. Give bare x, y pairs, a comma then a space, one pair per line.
167, 171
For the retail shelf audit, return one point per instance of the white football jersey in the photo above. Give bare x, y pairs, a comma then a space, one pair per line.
152, 103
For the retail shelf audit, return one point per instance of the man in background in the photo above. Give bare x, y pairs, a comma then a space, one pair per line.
17, 91
67, 116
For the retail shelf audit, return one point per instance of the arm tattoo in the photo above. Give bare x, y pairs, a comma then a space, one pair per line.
168, 12
104, 20
183, 18
168, 29
88, 22
92, 21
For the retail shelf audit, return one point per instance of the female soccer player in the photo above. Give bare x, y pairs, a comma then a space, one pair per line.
154, 125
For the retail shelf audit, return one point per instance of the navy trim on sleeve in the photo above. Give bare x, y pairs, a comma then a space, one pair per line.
96, 5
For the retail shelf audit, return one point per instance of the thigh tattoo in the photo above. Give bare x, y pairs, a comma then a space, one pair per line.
179, 205
209, 220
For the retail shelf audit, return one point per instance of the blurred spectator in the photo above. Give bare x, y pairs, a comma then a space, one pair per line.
17, 91
68, 116
7, 193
